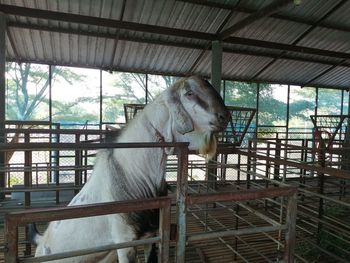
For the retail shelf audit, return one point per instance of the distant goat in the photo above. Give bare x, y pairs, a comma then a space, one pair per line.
189, 111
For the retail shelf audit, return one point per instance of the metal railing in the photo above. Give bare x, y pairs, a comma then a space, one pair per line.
13, 220
183, 200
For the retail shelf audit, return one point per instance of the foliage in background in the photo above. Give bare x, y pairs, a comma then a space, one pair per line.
28, 98
28, 89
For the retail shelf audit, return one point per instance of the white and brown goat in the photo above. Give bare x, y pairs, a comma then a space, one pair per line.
191, 111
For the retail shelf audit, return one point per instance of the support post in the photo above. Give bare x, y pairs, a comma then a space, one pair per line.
181, 189
2, 100
164, 232
216, 65
290, 235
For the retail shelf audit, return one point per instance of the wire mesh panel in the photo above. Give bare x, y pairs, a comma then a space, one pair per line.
130, 110
327, 127
327, 130
238, 126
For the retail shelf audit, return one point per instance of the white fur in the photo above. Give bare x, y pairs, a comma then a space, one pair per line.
172, 117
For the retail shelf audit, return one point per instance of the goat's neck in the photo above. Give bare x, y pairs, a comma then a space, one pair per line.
144, 167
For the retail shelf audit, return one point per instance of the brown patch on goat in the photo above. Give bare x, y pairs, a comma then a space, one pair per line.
209, 146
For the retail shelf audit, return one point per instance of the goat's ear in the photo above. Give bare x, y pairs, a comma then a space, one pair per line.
182, 121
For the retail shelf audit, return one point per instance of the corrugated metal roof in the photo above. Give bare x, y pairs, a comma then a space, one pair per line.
302, 45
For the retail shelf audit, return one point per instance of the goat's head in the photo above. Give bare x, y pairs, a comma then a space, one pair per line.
197, 112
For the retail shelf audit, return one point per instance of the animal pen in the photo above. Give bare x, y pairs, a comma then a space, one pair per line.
277, 189
270, 201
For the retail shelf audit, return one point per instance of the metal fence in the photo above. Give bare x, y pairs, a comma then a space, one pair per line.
186, 182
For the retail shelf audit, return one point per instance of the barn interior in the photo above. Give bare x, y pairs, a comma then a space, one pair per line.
74, 72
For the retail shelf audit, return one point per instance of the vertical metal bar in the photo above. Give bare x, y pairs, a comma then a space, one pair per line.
101, 101
276, 172
57, 164
322, 162
316, 103
211, 171
11, 241
182, 174
302, 179
146, 98
267, 172
77, 179
27, 171
27, 184
290, 232
255, 149
85, 160
342, 103
224, 90
2, 98
249, 163
50, 94
257, 110
239, 169
164, 232
236, 227
287, 113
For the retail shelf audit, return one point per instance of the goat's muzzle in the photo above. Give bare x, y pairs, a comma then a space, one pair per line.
222, 119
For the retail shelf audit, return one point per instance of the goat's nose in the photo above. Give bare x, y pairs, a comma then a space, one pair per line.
223, 116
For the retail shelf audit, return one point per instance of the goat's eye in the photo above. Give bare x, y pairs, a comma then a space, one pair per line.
189, 93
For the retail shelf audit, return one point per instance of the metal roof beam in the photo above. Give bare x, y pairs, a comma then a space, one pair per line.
103, 22
28, 12
300, 20
302, 36
80, 19
287, 47
263, 12
12, 42
323, 73
126, 37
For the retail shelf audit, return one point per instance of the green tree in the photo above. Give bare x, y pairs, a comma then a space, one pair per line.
27, 90
131, 88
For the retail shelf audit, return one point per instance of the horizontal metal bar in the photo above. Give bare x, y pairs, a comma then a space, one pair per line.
241, 195
70, 212
40, 189
45, 169
90, 250
263, 177
58, 131
245, 231
85, 146
325, 170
